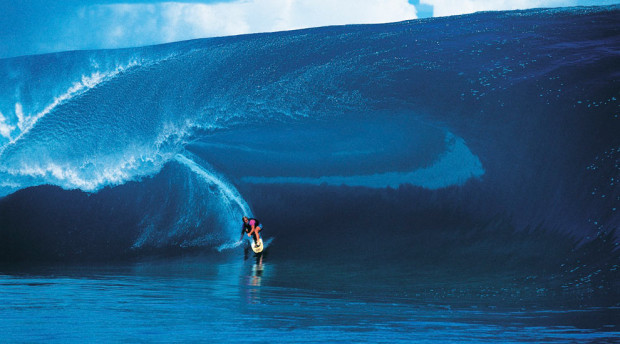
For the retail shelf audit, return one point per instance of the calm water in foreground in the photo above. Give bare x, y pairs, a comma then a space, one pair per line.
200, 299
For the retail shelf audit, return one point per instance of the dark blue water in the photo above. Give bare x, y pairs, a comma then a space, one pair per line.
449, 179
197, 299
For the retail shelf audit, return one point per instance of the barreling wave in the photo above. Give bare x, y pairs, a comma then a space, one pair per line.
493, 115
186, 205
202, 210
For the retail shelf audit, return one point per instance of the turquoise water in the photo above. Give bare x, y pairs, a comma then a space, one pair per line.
200, 299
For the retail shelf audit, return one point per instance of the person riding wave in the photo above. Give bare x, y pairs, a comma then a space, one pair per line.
251, 227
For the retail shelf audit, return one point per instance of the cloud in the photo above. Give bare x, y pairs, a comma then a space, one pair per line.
456, 7
122, 25
28, 27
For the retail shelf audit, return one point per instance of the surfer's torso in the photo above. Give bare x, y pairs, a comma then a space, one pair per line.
247, 227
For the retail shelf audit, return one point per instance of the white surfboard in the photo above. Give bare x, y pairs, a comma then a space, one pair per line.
258, 247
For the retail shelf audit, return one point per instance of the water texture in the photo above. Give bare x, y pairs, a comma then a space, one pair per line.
440, 178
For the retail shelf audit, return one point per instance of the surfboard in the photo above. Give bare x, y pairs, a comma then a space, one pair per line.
258, 248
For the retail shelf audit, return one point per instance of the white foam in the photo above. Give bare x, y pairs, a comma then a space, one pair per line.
26, 122
5, 128
229, 245
233, 202
86, 176
209, 176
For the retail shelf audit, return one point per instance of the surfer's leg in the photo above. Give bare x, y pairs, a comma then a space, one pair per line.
258, 229
255, 236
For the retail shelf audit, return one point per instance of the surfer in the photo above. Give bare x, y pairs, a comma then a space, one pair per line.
251, 227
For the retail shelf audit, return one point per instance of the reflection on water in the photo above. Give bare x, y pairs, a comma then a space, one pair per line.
233, 299
253, 280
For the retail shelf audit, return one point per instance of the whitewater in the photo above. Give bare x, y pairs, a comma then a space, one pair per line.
439, 179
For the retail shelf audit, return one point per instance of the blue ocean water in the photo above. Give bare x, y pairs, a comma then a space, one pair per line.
441, 180
194, 299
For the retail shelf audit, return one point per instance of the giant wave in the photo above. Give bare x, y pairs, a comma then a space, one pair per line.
474, 130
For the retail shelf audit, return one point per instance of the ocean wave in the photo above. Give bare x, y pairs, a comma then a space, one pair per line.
478, 120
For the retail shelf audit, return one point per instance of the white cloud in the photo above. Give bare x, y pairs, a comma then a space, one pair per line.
119, 25
35, 27
454, 7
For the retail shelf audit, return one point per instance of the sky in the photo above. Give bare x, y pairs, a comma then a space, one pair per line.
30, 27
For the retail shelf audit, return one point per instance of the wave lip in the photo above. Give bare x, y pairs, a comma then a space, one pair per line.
230, 193
86, 174
13, 129
186, 205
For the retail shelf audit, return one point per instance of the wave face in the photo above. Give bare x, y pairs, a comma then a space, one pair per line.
429, 130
